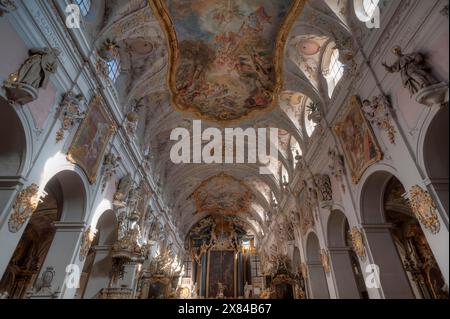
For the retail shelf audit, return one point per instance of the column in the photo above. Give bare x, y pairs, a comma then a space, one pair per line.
317, 281
63, 256
343, 273
383, 253
100, 274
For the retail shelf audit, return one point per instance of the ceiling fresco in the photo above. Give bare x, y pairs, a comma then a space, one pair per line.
218, 60
222, 194
226, 55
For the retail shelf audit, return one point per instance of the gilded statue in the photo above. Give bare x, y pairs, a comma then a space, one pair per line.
413, 70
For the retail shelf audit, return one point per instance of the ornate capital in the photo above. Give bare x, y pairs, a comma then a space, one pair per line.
424, 208
358, 242
25, 204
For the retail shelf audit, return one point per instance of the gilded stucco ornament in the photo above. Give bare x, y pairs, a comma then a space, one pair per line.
325, 259
86, 241
71, 113
377, 112
25, 204
424, 208
358, 242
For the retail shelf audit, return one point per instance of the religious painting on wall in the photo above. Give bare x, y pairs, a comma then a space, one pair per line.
90, 142
226, 56
360, 145
221, 274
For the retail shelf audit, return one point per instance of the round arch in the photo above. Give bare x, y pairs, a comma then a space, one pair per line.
434, 155
381, 247
347, 270
13, 150
317, 281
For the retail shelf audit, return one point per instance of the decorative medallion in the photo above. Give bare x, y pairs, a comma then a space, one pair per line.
226, 57
424, 208
25, 204
86, 241
358, 242
325, 260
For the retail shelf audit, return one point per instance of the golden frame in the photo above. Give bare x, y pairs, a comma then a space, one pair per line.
160, 10
73, 154
356, 106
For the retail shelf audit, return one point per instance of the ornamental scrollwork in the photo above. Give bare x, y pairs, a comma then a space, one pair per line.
425, 209
71, 113
24, 206
86, 241
377, 112
358, 242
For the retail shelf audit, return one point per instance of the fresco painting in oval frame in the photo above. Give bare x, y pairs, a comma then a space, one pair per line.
226, 57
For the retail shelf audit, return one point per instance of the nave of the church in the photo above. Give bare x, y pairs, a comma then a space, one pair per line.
224, 149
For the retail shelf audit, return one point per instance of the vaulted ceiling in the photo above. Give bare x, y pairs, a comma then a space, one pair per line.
255, 63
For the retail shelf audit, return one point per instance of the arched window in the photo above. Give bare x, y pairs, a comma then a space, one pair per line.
114, 67
370, 7
334, 69
85, 6
310, 111
366, 10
